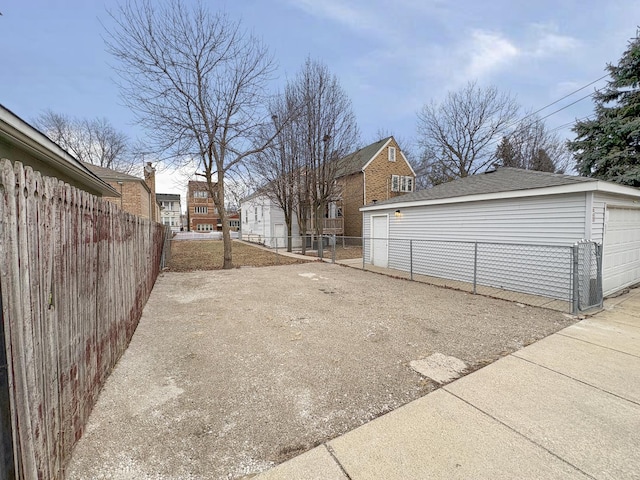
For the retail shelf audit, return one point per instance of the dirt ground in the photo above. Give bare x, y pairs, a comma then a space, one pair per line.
231, 372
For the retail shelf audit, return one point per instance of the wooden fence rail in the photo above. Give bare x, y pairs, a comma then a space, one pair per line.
75, 273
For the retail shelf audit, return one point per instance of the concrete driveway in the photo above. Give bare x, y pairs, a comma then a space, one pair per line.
232, 372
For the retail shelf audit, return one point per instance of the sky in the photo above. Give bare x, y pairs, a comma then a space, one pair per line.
391, 57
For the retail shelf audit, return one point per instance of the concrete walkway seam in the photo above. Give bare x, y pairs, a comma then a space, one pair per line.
337, 460
519, 433
577, 379
594, 344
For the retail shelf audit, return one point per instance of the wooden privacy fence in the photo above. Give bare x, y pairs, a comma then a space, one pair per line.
75, 273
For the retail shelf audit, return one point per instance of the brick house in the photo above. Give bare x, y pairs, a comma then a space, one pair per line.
379, 171
170, 210
202, 214
137, 195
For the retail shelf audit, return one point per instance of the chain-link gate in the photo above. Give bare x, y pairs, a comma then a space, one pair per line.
587, 276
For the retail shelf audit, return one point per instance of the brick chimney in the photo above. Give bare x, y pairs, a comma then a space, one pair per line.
150, 180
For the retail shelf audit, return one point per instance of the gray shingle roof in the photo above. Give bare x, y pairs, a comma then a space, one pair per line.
108, 174
354, 162
501, 180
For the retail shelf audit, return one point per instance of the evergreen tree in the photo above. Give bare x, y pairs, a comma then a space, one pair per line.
542, 162
506, 155
608, 146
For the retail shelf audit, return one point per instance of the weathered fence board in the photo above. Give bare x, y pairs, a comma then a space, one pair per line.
75, 273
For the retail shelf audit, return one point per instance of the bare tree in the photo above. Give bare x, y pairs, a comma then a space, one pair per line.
533, 147
315, 128
93, 141
327, 131
457, 136
197, 82
278, 165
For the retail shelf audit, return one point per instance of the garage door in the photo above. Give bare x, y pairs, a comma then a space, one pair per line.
621, 251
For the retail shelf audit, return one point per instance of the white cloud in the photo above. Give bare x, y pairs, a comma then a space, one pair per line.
488, 51
357, 19
548, 42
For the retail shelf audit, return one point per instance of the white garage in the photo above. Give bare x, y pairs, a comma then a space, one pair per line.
509, 206
621, 252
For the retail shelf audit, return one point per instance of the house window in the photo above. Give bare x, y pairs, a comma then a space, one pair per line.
401, 183
392, 154
406, 184
255, 215
201, 209
395, 183
204, 227
234, 223
200, 194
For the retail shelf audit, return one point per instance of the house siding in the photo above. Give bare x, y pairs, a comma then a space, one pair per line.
556, 222
263, 229
195, 219
134, 197
548, 220
352, 187
379, 171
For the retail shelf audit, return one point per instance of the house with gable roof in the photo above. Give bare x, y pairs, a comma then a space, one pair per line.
377, 172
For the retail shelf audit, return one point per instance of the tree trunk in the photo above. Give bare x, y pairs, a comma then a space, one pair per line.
218, 199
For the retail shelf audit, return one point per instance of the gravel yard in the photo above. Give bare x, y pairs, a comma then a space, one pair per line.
231, 372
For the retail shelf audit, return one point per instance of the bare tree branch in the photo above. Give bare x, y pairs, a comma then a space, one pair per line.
457, 135
197, 83
93, 141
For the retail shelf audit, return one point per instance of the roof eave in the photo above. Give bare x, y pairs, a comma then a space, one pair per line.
43, 148
594, 186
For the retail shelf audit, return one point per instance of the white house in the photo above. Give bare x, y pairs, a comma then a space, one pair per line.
262, 221
510, 206
170, 210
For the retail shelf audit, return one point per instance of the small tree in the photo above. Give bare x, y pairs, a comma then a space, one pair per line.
327, 130
608, 146
457, 135
93, 141
506, 154
277, 166
197, 82
533, 147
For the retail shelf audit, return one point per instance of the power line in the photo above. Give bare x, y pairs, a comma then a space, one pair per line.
567, 96
568, 124
516, 122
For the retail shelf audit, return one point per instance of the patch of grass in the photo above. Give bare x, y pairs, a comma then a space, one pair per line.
342, 253
189, 255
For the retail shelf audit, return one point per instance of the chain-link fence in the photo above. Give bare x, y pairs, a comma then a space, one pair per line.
566, 278
328, 247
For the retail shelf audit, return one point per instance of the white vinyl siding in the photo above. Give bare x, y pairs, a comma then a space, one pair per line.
548, 220
261, 216
557, 220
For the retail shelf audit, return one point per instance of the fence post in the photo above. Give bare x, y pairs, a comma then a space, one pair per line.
411, 258
475, 266
599, 274
364, 240
575, 303
333, 249
277, 251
